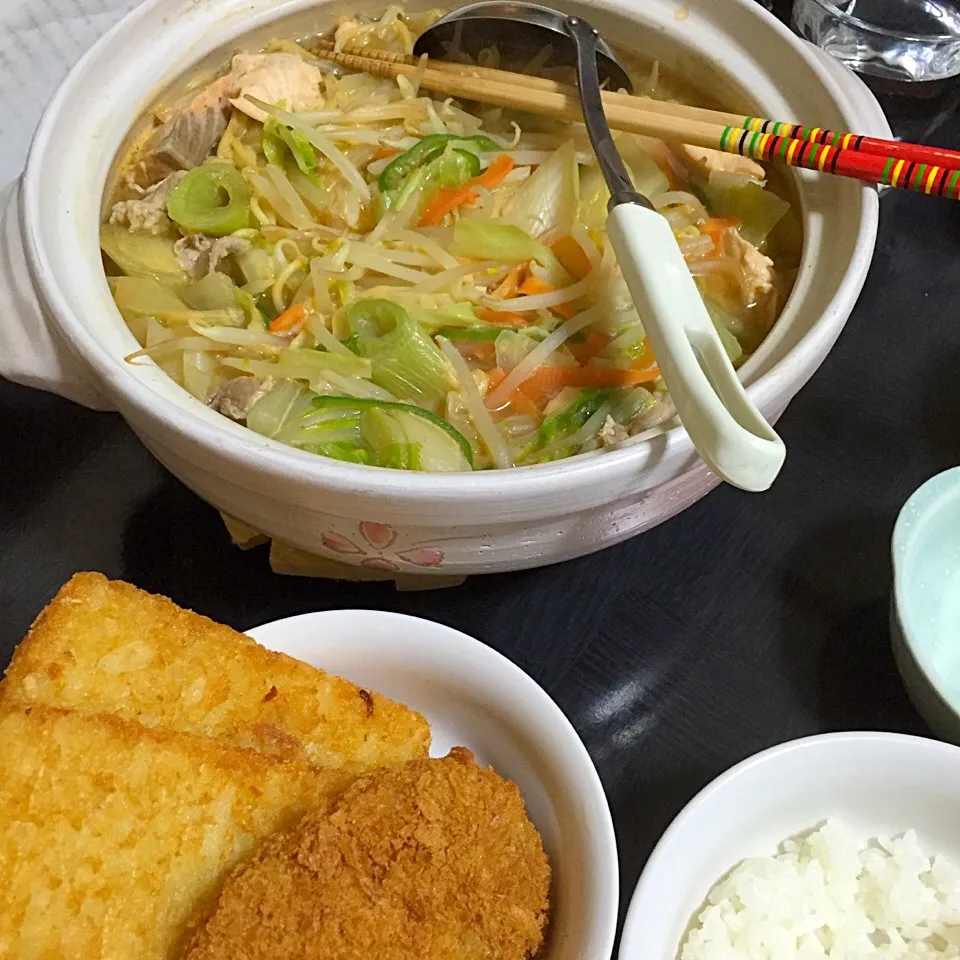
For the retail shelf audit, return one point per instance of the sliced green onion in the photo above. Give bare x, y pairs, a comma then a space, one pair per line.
212, 199
405, 360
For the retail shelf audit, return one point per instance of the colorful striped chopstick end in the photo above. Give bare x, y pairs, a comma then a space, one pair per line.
814, 153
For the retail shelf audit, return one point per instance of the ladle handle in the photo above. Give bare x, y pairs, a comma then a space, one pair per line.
724, 425
591, 105
726, 428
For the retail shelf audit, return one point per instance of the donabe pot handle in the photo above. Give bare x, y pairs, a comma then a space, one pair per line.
30, 354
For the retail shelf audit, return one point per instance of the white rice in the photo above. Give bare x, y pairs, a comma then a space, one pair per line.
830, 893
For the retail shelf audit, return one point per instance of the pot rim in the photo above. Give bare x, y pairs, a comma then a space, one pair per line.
241, 447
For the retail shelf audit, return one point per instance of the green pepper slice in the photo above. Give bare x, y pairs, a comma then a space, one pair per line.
356, 403
429, 148
212, 199
452, 168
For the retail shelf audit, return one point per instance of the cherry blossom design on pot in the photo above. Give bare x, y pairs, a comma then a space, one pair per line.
376, 544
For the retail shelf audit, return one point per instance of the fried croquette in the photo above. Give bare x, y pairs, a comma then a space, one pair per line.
428, 860
104, 646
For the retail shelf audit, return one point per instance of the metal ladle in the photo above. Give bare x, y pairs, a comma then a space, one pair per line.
727, 430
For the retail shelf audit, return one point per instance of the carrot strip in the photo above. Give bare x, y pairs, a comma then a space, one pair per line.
383, 151
670, 174
518, 402
502, 317
513, 279
571, 256
715, 228
521, 403
533, 285
646, 360
494, 174
494, 378
444, 201
595, 343
483, 351
550, 380
290, 321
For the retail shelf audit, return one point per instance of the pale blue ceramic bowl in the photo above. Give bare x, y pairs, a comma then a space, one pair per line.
925, 613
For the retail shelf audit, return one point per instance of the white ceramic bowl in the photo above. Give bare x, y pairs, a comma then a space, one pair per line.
925, 611
61, 330
474, 697
879, 783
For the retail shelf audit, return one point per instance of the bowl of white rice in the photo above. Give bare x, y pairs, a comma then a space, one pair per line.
842, 846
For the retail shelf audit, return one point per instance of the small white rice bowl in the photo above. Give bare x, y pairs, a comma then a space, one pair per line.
833, 893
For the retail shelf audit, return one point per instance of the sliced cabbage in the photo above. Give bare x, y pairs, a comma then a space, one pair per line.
498, 241
257, 268
286, 401
458, 315
565, 431
146, 297
511, 347
723, 324
141, 254
303, 364
757, 209
277, 135
215, 291
646, 174
594, 195
547, 200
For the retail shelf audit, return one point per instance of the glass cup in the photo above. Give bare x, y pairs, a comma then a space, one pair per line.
900, 40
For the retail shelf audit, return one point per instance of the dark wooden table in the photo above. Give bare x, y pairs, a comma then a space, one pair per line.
744, 622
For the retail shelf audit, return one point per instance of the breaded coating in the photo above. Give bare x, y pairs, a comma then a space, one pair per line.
431, 860
103, 646
114, 836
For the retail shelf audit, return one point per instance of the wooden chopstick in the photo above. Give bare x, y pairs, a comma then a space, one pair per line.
906, 165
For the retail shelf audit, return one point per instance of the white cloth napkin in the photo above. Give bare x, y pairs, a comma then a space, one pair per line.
40, 40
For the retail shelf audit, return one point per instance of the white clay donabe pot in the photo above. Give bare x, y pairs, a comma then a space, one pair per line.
60, 330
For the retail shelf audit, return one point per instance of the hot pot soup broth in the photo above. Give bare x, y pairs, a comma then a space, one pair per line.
372, 274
